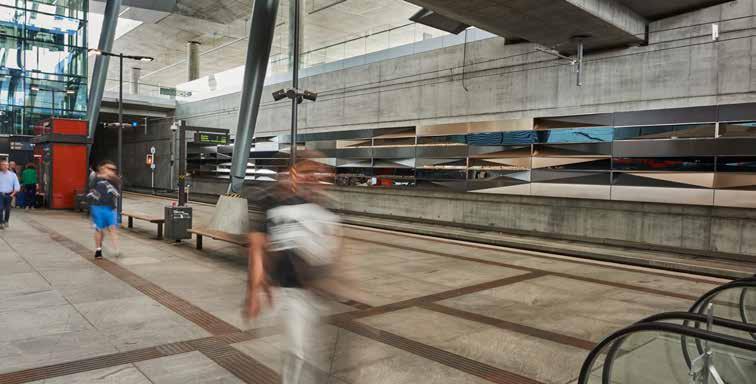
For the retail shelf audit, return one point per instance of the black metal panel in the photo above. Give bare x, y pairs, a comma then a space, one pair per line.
449, 151
349, 153
491, 151
735, 147
627, 180
570, 177
394, 153
585, 149
670, 164
665, 148
667, 116
577, 121
737, 112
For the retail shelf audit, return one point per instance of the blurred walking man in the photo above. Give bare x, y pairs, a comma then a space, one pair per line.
103, 197
9, 186
293, 250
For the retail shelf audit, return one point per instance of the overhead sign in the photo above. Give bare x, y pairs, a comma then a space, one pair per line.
211, 138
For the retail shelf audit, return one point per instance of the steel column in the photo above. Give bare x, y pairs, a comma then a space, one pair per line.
262, 26
120, 133
294, 32
100, 74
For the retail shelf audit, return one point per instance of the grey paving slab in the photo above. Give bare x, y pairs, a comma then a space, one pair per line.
152, 333
120, 374
50, 349
22, 283
31, 299
585, 310
501, 348
108, 314
35, 322
188, 368
10, 263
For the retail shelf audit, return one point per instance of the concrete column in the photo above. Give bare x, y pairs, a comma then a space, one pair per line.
136, 73
192, 59
100, 74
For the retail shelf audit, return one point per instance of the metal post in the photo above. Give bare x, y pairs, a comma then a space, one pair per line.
256, 65
294, 79
182, 164
580, 63
120, 132
100, 73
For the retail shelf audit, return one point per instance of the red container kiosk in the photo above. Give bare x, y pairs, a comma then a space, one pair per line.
61, 154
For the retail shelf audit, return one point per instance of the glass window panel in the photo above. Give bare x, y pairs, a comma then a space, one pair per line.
685, 164
665, 132
576, 135
736, 164
502, 138
744, 129
11, 53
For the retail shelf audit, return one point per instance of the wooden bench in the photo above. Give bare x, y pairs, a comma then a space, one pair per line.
152, 219
199, 233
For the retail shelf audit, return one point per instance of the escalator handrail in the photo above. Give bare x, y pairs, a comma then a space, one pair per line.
686, 317
740, 283
700, 305
701, 318
681, 330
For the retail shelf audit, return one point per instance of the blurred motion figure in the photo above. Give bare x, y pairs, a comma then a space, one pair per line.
103, 197
292, 253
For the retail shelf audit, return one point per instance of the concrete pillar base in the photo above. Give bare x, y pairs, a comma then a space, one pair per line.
231, 215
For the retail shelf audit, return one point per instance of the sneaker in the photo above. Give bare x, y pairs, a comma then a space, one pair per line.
98, 254
2, 225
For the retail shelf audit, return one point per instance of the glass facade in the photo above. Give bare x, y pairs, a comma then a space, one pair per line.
43, 62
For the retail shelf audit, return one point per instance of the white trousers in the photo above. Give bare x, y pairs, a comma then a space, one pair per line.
299, 311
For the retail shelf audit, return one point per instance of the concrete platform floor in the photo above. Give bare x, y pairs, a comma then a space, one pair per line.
412, 309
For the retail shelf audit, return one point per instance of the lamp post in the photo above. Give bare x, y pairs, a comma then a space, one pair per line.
120, 57
35, 88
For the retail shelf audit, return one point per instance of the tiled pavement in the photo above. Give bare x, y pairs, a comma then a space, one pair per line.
411, 309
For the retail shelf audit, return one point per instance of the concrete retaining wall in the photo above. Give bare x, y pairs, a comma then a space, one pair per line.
721, 232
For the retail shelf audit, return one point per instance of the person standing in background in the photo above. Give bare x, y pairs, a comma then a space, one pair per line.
9, 186
29, 183
103, 197
13, 168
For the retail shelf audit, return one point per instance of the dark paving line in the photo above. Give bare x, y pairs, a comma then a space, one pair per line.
90, 364
560, 274
238, 363
438, 296
519, 328
449, 359
196, 315
514, 249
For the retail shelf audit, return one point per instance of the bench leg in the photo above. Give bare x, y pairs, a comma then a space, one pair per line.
160, 231
199, 241
131, 222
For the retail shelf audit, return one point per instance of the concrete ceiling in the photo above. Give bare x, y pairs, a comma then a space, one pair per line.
654, 10
607, 23
221, 28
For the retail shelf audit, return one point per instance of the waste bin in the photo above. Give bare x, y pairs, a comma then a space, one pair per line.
178, 222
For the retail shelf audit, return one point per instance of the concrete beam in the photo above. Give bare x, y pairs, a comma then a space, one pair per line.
155, 5
549, 22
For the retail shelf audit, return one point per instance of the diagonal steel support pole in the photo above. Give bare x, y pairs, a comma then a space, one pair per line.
260, 40
100, 74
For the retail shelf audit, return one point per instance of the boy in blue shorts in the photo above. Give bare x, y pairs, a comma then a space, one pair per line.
103, 197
